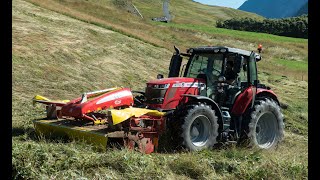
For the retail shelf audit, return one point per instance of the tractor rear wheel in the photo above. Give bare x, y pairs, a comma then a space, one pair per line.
266, 127
199, 128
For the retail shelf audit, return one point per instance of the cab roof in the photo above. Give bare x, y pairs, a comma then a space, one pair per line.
216, 49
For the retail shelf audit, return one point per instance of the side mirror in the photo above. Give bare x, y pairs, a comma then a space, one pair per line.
159, 76
175, 64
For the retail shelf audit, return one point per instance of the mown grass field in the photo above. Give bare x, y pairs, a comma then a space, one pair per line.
61, 49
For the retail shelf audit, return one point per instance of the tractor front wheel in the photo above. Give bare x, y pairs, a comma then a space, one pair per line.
199, 128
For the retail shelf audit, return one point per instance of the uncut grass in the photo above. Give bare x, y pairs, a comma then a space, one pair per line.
61, 57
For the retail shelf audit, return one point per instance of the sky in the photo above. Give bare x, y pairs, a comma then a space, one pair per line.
226, 3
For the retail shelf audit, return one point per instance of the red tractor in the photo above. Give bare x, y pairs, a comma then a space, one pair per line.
204, 107
215, 97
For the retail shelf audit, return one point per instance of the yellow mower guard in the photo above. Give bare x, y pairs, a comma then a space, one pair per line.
50, 127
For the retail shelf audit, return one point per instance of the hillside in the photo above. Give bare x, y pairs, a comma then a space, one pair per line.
273, 8
61, 49
110, 15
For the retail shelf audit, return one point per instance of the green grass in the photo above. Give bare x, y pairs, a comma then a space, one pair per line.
106, 15
61, 49
295, 65
252, 36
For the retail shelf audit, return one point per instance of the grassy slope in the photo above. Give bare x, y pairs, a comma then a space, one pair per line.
105, 13
61, 57
185, 31
189, 12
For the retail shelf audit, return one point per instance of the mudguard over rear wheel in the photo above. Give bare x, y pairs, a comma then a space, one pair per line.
266, 127
199, 128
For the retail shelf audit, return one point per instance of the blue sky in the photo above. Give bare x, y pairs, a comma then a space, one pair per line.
226, 3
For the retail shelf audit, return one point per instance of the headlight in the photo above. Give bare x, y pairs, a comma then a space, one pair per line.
223, 50
159, 86
165, 86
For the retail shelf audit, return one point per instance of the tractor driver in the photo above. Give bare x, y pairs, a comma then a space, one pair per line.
230, 75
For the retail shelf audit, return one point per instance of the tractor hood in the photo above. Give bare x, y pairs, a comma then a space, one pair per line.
175, 80
166, 93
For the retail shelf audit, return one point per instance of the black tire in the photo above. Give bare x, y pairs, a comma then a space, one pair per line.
265, 127
199, 128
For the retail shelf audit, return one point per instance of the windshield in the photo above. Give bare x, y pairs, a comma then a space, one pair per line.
208, 64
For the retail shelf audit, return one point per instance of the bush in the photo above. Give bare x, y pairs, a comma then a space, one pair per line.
291, 27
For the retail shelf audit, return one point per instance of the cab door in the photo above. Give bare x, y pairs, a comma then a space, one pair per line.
247, 96
253, 76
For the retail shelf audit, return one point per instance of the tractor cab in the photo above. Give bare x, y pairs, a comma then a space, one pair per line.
226, 71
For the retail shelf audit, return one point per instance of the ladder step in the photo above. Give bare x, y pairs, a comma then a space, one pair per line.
224, 109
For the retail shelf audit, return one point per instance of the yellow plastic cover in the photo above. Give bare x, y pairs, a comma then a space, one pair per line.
121, 115
39, 98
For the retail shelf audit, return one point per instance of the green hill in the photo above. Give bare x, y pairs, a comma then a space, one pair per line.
63, 48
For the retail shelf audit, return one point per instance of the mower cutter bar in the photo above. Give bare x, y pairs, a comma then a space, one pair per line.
96, 135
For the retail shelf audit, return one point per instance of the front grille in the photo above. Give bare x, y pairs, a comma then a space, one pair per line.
155, 95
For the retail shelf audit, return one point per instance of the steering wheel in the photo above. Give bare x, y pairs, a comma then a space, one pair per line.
216, 70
